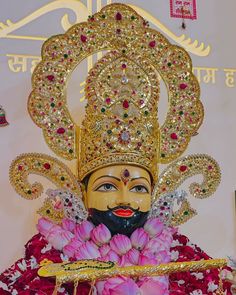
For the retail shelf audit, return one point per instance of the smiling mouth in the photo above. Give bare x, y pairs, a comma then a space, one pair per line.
123, 212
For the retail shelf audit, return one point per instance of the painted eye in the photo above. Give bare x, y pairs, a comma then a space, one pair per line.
139, 189
106, 187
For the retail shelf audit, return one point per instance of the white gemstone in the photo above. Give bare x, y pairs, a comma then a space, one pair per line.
125, 136
124, 80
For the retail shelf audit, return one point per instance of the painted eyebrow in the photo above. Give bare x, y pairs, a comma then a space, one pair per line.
135, 178
118, 179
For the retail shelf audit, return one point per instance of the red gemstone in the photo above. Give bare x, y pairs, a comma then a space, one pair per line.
123, 66
118, 16
126, 173
83, 38
20, 167
47, 166
141, 101
50, 78
125, 104
117, 121
118, 31
182, 86
60, 130
152, 43
108, 100
210, 167
173, 136
183, 168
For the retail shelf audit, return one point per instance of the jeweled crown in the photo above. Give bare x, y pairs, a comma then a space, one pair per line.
121, 124
121, 121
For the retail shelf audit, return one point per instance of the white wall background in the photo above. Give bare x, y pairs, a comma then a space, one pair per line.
214, 229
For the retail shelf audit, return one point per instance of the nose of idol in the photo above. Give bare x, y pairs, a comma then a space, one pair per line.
119, 185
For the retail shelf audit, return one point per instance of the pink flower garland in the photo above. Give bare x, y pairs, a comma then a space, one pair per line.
148, 245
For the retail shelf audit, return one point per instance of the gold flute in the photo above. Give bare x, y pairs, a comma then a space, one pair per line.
92, 270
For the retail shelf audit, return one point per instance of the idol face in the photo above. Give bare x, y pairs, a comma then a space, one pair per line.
119, 196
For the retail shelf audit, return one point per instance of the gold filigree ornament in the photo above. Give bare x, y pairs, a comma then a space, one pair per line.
122, 92
179, 171
145, 52
40, 164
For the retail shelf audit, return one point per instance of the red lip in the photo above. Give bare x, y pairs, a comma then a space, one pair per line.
123, 212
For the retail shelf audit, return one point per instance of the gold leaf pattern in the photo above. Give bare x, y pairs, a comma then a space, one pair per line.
43, 165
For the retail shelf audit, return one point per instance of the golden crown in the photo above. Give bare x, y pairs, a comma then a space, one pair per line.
121, 121
145, 52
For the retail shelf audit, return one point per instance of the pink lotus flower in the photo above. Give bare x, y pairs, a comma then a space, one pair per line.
152, 287
120, 244
120, 286
111, 256
123, 261
88, 250
155, 245
153, 227
100, 286
132, 256
83, 230
166, 235
146, 258
68, 224
163, 257
139, 238
44, 226
69, 251
72, 247
59, 238
104, 249
101, 234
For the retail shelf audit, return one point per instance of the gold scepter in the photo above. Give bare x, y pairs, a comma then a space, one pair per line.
92, 270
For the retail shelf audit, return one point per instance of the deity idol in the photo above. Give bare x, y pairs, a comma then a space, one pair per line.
108, 230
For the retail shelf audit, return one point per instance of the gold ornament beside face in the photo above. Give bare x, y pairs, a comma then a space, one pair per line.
111, 186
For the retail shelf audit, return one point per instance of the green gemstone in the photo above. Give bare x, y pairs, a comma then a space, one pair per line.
62, 178
103, 16
65, 55
146, 113
163, 155
103, 110
125, 115
138, 132
181, 113
109, 131
52, 104
29, 192
123, 51
71, 151
132, 17
169, 64
186, 212
193, 113
203, 190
